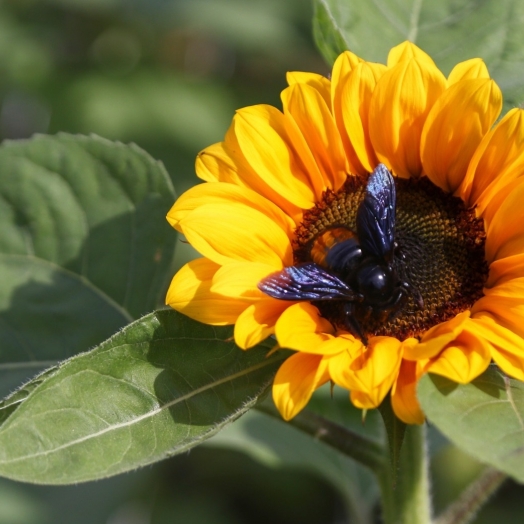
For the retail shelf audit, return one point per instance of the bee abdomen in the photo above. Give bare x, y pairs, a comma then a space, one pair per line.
337, 249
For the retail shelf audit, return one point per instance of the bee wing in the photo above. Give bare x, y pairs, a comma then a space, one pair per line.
306, 281
376, 214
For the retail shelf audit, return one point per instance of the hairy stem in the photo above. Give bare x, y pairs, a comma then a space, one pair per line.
407, 500
464, 509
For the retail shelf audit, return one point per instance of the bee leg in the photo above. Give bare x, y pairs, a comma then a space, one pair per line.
393, 308
352, 324
397, 251
384, 315
367, 313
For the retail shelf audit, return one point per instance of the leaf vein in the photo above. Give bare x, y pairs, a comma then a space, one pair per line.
334, 23
480, 405
511, 400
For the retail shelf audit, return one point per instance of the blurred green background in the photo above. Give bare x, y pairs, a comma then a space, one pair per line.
168, 75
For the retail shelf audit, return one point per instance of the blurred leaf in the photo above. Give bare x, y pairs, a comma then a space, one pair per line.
85, 247
247, 25
159, 387
149, 105
19, 506
102, 502
278, 444
25, 59
88, 5
449, 30
484, 418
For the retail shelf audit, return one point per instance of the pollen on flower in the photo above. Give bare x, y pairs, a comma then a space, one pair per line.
440, 251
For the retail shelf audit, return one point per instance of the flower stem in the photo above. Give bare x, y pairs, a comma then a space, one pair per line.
362, 449
464, 509
407, 500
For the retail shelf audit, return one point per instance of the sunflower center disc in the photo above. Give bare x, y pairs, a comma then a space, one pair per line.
441, 252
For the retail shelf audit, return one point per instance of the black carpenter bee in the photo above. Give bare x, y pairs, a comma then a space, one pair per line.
357, 269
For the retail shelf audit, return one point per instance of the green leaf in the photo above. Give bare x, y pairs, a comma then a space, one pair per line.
485, 418
328, 32
45, 311
9, 404
85, 247
449, 30
159, 387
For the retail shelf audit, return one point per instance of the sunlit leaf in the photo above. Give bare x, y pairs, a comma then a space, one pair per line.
484, 418
84, 248
159, 387
449, 30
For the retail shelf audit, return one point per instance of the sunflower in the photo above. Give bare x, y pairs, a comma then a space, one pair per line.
281, 178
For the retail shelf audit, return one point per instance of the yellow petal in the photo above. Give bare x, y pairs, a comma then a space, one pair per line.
493, 206
190, 293
302, 328
507, 348
343, 342
409, 346
379, 361
239, 279
399, 106
248, 177
304, 152
498, 160
342, 69
513, 288
213, 164
405, 51
436, 338
376, 370
309, 111
319, 82
355, 101
468, 70
344, 64
467, 357
404, 395
258, 321
339, 366
340, 361
295, 382
505, 226
362, 400
234, 231
504, 269
505, 303
262, 137
454, 128
224, 193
